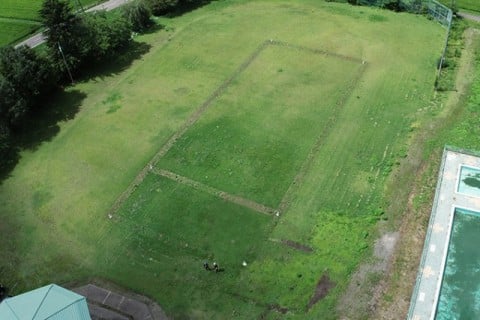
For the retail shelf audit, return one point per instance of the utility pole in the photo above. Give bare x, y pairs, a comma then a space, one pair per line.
65, 62
83, 10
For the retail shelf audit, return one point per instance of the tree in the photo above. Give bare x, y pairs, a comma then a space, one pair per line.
5, 149
138, 15
63, 31
161, 7
24, 77
104, 36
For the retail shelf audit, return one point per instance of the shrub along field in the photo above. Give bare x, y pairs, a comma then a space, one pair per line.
311, 129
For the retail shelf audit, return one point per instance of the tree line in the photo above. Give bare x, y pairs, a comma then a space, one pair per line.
74, 41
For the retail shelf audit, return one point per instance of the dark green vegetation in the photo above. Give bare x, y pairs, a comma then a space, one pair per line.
313, 134
473, 181
27, 77
75, 41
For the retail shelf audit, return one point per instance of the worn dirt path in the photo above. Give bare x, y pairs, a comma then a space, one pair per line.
468, 16
399, 281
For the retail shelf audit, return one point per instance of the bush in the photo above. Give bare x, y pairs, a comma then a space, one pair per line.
138, 15
104, 36
161, 7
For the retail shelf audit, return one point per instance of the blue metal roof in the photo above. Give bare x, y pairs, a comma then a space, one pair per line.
50, 302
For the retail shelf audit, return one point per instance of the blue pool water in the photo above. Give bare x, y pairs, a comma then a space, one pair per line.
460, 291
469, 182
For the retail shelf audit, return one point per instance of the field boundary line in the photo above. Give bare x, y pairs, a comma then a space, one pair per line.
206, 104
316, 51
181, 131
297, 181
215, 192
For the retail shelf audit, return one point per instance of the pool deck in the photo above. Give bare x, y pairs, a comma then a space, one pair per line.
429, 279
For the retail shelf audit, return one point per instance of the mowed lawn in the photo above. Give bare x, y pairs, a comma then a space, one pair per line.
255, 136
340, 139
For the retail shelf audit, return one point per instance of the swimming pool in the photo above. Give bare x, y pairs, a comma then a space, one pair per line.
469, 181
460, 290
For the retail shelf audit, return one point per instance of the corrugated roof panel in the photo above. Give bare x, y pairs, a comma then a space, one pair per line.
56, 299
49, 302
25, 305
7, 313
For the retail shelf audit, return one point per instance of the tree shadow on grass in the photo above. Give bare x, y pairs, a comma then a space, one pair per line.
41, 124
115, 65
185, 7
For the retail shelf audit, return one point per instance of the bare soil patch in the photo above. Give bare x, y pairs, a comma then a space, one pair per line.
297, 246
322, 289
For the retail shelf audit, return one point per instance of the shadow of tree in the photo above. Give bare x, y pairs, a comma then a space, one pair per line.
115, 65
41, 124
185, 7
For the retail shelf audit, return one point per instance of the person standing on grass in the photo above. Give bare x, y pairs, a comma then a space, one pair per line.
215, 267
206, 266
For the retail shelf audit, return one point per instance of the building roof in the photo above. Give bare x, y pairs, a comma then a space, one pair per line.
50, 302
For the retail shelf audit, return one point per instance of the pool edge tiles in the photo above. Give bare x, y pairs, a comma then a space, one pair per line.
424, 299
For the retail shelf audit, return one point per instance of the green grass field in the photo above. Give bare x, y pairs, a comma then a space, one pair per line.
469, 5
15, 30
307, 129
464, 5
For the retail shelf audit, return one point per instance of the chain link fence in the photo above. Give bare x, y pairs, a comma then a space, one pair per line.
431, 8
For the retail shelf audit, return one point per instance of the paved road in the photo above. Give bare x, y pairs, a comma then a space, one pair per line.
40, 38
469, 16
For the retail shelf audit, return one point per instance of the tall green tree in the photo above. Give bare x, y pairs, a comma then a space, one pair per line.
138, 14
105, 35
24, 78
64, 32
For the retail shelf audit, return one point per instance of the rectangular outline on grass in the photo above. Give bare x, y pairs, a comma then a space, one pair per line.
197, 113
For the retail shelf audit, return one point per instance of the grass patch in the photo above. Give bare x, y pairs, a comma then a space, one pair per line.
204, 228
243, 144
19, 18
12, 31
469, 5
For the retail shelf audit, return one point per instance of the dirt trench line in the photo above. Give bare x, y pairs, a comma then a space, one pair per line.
215, 192
181, 131
339, 105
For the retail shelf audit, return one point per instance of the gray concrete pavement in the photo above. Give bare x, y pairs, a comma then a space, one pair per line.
106, 304
468, 16
40, 38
